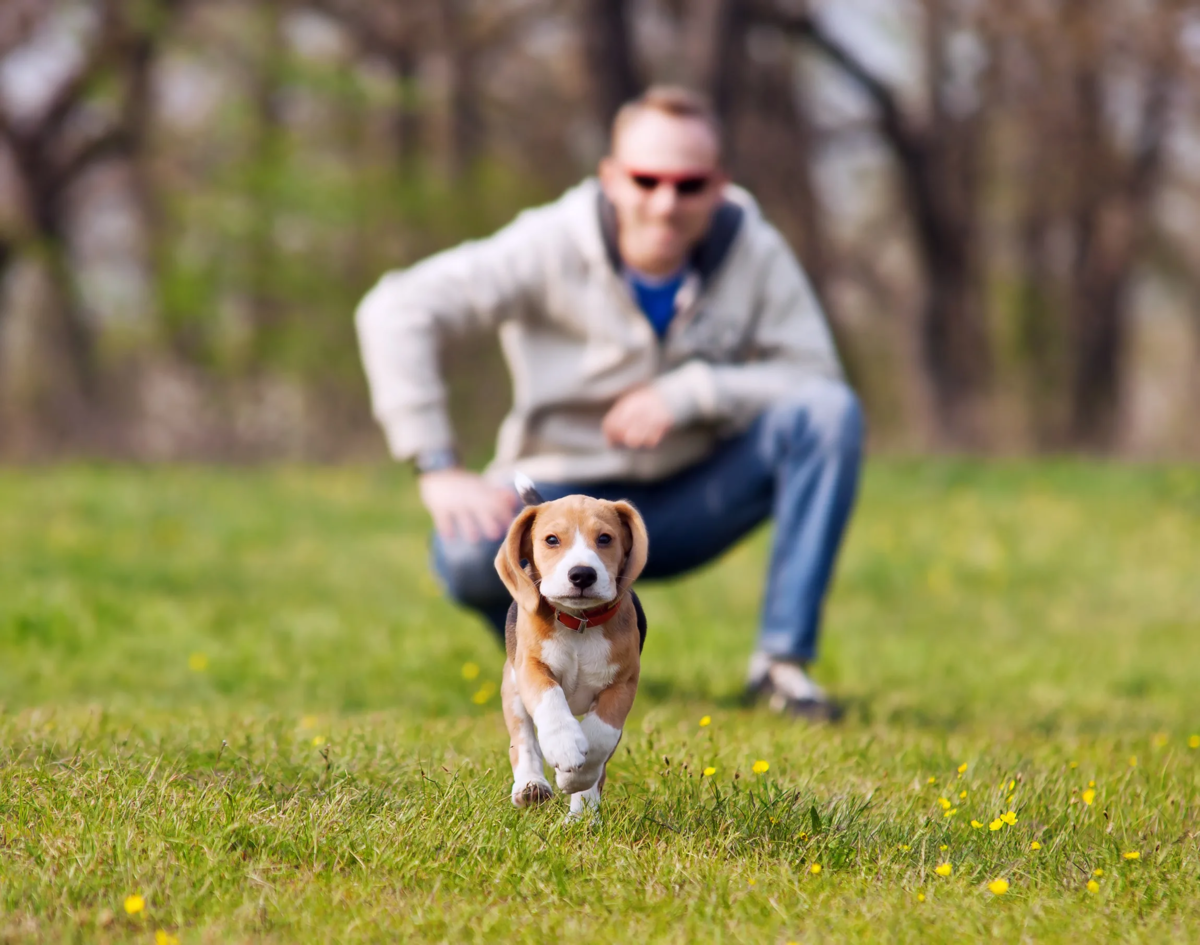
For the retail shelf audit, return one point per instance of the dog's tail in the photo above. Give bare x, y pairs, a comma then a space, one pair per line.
527, 490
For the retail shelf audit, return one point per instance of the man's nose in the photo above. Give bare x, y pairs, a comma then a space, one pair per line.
664, 199
582, 576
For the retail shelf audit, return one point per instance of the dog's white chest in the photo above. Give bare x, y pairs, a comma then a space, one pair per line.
580, 663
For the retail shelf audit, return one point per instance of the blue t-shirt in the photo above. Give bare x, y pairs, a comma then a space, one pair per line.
656, 297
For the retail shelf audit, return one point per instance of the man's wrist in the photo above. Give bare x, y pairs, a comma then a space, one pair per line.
430, 461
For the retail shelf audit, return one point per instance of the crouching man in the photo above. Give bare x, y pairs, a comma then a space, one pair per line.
665, 347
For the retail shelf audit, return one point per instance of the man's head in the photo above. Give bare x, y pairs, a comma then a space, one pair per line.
663, 177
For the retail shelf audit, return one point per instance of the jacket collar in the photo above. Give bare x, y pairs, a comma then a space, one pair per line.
709, 253
589, 618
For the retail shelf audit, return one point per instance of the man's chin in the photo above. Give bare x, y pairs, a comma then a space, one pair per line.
660, 255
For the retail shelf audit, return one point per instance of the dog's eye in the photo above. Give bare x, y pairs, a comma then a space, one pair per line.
604, 539
552, 540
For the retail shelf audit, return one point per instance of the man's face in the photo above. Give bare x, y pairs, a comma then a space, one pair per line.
664, 180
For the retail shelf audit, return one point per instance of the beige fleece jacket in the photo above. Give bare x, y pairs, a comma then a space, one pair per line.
745, 334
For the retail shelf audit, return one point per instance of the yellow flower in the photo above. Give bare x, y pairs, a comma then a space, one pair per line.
163, 937
815, 869
485, 691
750, 881
134, 904
1012, 784
1194, 741
1091, 784
943, 848
976, 824
709, 771
1097, 872
1133, 761
760, 767
951, 812
920, 897
1088, 796
996, 824
318, 740
944, 803
1160, 740
905, 847
705, 720
1010, 818
962, 767
932, 780
944, 870
198, 662
1093, 886
998, 887
962, 795
470, 671
1035, 845
1131, 855
1009, 799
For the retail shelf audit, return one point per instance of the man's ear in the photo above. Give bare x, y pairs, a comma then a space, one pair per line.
637, 543
516, 546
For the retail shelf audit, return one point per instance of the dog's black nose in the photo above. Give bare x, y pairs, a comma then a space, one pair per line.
582, 576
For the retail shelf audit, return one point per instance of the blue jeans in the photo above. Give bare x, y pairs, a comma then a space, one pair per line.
797, 463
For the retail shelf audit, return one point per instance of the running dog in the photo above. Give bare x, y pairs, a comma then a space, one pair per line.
573, 641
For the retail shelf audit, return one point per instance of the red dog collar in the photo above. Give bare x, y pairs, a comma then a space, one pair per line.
590, 618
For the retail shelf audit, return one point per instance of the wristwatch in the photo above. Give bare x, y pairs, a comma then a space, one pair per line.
428, 461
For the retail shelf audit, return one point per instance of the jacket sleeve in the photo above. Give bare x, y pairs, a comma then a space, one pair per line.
403, 321
790, 343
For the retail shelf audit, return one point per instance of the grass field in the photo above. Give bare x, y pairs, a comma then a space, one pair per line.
236, 695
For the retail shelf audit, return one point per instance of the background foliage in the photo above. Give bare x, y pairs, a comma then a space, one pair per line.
997, 202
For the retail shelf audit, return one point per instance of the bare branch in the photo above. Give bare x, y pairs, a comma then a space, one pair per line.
805, 26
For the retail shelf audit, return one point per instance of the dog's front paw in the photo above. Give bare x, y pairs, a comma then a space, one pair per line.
532, 793
564, 745
572, 782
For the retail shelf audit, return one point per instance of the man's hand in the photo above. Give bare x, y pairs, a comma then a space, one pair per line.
638, 420
465, 505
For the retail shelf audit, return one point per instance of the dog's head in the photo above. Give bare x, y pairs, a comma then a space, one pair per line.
579, 553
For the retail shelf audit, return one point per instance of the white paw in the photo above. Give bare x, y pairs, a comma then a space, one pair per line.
564, 745
531, 793
585, 805
589, 813
572, 782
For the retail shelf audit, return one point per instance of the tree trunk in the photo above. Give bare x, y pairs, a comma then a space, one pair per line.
609, 54
266, 308
407, 120
1099, 318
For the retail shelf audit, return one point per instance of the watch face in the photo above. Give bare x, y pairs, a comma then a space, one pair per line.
435, 460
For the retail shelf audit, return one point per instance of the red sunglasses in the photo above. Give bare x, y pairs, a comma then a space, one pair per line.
688, 184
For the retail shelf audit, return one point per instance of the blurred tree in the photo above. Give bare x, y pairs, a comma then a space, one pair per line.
937, 156
609, 55
1092, 89
97, 112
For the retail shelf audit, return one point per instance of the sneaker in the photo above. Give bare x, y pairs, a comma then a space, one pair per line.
787, 688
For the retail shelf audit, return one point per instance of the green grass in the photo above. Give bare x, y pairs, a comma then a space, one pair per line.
328, 774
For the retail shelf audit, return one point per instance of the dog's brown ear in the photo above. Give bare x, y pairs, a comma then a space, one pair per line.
637, 544
516, 546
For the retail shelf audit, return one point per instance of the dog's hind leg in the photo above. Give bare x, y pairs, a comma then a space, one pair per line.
587, 802
524, 753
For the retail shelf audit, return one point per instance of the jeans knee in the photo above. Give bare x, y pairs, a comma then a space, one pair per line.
468, 571
826, 411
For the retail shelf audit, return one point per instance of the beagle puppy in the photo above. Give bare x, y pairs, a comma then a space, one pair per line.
573, 640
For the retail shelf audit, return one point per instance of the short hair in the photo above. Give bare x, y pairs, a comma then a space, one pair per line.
674, 100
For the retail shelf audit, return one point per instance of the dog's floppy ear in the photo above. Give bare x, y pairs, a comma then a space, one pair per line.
516, 546
637, 544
